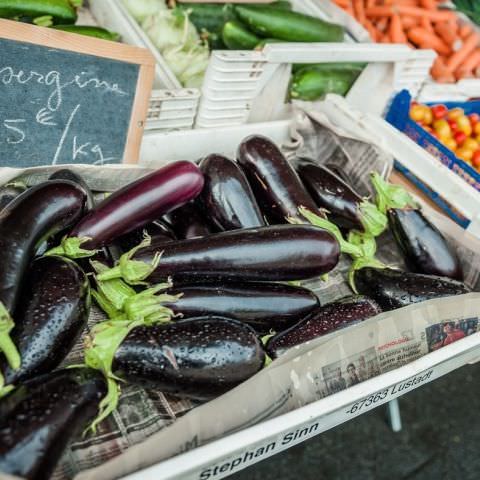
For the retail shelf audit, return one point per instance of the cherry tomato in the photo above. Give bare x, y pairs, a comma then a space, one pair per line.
465, 154
476, 159
454, 113
460, 137
439, 111
453, 125
471, 144
417, 113
450, 143
464, 125
476, 129
474, 118
428, 116
442, 128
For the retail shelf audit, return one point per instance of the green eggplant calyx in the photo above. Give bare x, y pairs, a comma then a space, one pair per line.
43, 21
133, 272
5, 390
76, 3
360, 263
6, 343
373, 220
389, 195
70, 247
106, 305
345, 247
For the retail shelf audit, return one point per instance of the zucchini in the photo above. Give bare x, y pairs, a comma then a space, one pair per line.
237, 37
61, 11
287, 25
266, 41
312, 83
329, 66
90, 31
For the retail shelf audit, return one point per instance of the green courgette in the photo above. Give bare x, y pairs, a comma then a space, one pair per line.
311, 83
266, 41
237, 37
90, 31
61, 11
329, 66
287, 25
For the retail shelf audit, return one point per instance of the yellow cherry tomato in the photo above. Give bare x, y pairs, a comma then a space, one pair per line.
417, 112
454, 113
464, 125
476, 129
450, 143
427, 116
477, 138
465, 154
442, 128
470, 143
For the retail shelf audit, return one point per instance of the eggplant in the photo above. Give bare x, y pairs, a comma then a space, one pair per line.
393, 289
424, 248
34, 216
135, 205
276, 185
227, 195
264, 306
323, 320
9, 192
51, 314
67, 174
337, 170
284, 252
199, 357
38, 419
158, 231
331, 193
188, 222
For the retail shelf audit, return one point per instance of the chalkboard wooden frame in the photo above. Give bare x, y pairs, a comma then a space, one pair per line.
60, 40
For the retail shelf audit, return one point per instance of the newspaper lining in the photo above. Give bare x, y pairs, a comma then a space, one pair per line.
150, 426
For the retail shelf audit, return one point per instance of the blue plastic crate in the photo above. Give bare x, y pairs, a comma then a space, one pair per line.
398, 116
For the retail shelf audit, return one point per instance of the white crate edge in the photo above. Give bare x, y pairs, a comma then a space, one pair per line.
316, 418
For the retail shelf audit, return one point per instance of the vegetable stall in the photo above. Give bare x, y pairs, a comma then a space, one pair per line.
199, 302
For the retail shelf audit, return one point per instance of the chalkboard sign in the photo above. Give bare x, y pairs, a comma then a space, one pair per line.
66, 98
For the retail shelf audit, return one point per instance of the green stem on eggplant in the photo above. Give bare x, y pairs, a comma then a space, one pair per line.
71, 247
264, 341
6, 344
43, 21
373, 220
4, 391
133, 272
390, 196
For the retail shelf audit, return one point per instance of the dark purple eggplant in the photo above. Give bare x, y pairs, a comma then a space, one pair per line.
188, 222
34, 216
67, 174
323, 320
227, 195
9, 192
52, 312
284, 252
137, 204
393, 289
277, 187
331, 193
423, 246
199, 358
158, 231
264, 306
38, 419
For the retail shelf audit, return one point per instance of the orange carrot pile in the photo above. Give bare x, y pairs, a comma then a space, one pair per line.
422, 24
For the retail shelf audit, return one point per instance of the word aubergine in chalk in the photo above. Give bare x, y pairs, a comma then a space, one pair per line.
53, 78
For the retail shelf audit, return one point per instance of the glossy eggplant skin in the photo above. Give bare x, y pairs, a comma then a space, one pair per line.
188, 222
140, 203
198, 357
9, 193
34, 216
51, 314
277, 187
39, 417
67, 174
423, 246
393, 289
158, 231
331, 193
227, 195
276, 253
323, 320
264, 306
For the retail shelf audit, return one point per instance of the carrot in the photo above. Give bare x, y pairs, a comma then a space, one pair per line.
428, 4
370, 3
426, 40
440, 72
379, 11
469, 64
465, 30
408, 21
445, 32
469, 45
425, 23
433, 16
386, 38
343, 3
396, 31
382, 24
462, 73
359, 9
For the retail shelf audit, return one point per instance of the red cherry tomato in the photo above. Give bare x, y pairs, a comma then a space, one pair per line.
453, 126
476, 159
439, 111
474, 118
460, 137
